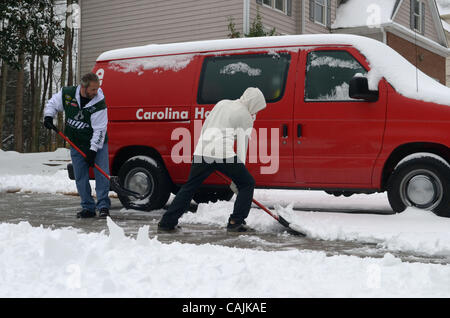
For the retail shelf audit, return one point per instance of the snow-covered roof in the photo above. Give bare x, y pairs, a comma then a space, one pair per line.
446, 25
355, 13
227, 44
443, 6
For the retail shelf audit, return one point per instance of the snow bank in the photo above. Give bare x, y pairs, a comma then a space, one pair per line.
414, 231
38, 262
39, 163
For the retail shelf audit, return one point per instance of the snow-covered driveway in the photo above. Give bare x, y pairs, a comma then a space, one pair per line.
350, 254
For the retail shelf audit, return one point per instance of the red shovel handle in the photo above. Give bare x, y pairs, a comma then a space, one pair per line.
254, 201
82, 153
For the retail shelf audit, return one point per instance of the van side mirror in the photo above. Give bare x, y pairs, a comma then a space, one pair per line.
359, 89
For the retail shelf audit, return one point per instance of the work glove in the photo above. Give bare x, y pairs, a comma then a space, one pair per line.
233, 187
90, 157
48, 122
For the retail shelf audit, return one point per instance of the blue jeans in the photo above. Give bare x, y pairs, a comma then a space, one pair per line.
81, 171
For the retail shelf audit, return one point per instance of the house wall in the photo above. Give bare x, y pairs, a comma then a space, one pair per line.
283, 23
114, 24
403, 18
312, 27
428, 62
448, 61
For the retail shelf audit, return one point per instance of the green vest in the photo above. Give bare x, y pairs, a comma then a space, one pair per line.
78, 121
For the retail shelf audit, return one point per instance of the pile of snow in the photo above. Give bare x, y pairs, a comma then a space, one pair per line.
43, 172
38, 262
413, 231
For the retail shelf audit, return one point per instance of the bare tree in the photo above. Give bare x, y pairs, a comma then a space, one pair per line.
3, 97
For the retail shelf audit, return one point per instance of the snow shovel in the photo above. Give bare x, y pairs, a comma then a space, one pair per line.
277, 217
113, 180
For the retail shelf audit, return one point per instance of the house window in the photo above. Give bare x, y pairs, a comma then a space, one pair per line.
227, 77
280, 5
320, 12
328, 75
417, 18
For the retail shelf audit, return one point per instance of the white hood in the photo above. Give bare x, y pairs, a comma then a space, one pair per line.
253, 99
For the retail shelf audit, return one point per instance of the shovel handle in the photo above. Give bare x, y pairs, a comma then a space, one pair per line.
81, 152
254, 201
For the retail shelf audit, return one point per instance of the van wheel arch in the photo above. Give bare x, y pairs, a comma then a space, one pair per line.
406, 150
131, 151
422, 182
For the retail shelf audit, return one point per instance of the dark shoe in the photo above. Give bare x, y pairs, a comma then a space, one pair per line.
233, 227
168, 229
86, 214
103, 213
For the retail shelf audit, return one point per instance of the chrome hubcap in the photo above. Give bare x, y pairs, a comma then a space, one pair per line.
422, 189
138, 180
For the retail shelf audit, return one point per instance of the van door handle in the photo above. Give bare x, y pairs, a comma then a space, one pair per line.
285, 131
299, 130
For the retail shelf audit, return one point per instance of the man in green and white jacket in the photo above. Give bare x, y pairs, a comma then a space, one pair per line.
86, 120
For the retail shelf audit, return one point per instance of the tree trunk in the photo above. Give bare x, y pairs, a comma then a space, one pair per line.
70, 49
3, 99
35, 126
48, 143
33, 89
46, 78
18, 117
60, 142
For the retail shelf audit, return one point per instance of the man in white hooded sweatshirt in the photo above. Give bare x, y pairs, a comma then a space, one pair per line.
228, 120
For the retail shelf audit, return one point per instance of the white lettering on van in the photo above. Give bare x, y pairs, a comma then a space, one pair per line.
100, 73
168, 113
200, 113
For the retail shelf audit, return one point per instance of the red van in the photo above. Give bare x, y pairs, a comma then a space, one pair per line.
345, 114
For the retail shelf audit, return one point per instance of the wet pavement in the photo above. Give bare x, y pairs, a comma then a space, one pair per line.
58, 211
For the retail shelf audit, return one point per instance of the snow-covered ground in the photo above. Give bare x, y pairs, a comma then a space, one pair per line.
45, 262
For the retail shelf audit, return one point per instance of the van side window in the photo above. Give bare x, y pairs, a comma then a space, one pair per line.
227, 77
328, 74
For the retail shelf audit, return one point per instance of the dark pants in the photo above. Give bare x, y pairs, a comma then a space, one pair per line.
235, 170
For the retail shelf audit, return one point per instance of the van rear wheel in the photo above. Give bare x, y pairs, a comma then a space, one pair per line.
423, 183
147, 177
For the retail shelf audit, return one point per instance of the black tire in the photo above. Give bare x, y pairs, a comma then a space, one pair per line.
423, 183
213, 195
148, 177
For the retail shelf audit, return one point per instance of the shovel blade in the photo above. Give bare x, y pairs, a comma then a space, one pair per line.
116, 187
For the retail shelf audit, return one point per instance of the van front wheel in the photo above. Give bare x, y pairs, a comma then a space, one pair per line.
147, 177
423, 183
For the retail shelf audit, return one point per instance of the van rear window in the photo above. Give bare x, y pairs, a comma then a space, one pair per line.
227, 77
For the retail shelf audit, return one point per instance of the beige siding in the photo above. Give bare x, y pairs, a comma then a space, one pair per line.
113, 24
447, 70
403, 18
283, 23
312, 27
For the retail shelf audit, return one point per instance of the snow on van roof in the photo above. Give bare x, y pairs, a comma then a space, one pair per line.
383, 60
